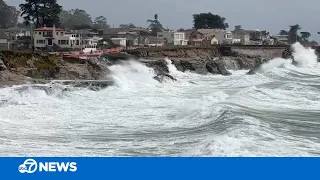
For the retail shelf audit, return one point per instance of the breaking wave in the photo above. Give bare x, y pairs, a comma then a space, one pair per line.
274, 113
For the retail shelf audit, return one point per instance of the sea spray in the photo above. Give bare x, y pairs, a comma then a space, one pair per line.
304, 56
274, 63
132, 72
172, 68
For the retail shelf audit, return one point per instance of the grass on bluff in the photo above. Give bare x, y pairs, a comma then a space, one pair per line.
16, 59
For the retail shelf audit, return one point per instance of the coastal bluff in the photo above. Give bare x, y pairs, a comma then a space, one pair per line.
20, 67
27, 67
198, 59
209, 52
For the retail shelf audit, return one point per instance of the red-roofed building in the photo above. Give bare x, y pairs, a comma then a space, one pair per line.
48, 29
48, 36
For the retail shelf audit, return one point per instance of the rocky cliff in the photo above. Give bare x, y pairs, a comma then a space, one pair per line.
21, 67
203, 60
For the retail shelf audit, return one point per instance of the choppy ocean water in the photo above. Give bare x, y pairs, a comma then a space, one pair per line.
273, 113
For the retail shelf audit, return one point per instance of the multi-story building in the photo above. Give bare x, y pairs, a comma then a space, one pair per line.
210, 37
174, 38
15, 32
4, 41
45, 37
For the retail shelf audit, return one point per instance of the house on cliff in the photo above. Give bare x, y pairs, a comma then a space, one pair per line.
52, 38
249, 37
4, 40
174, 38
133, 36
210, 37
15, 32
156, 41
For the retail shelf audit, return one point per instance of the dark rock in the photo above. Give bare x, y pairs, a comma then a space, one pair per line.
47, 89
162, 76
287, 54
94, 85
2, 65
184, 65
196, 65
217, 67
159, 66
256, 68
115, 58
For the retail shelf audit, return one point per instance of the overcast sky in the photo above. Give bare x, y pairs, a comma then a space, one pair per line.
271, 15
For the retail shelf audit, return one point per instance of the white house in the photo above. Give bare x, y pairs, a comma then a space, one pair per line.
48, 36
175, 38
155, 41
180, 39
90, 44
119, 41
15, 32
4, 41
74, 40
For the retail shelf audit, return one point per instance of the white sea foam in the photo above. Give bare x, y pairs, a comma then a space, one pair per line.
304, 57
270, 114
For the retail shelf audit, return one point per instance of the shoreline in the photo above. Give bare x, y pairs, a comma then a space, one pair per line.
38, 67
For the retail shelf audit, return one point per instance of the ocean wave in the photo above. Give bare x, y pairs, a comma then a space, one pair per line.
271, 113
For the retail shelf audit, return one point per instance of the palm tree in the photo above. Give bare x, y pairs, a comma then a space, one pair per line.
155, 25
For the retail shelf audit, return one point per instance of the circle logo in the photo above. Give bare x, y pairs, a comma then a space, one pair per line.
28, 166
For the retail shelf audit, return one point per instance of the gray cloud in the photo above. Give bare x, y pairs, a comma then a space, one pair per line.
272, 15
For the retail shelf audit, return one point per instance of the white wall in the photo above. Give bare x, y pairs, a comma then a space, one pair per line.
2, 41
179, 39
167, 35
119, 41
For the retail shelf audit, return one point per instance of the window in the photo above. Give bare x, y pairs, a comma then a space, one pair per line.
57, 33
160, 35
40, 41
35, 32
176, 36
181, 36
39, 33
228, 36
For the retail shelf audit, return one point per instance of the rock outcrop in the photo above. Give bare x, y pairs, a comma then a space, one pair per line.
201, 60
257, 66
217, 67
2, 65
20, 67
162, 77
23, 66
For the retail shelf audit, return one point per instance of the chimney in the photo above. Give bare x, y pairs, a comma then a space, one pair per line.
54, 30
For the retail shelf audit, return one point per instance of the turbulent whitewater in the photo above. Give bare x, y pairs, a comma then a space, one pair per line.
272, 113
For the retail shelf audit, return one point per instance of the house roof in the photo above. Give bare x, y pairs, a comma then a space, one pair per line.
16, 29
153, 38
207, 31
124, 30
139, 29
3, 35
48, 29
115, 30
